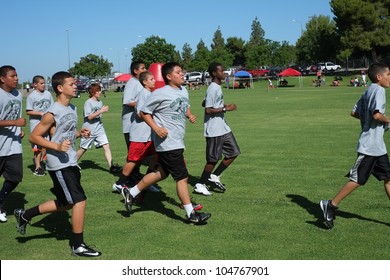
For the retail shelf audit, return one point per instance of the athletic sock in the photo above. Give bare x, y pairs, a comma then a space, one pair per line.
220, 169
188, 208
31, 213
134, 191
205, 177
76, 239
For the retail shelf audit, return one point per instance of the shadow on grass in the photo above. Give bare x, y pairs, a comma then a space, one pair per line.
313, 208
89, 164
56, 224
153, 201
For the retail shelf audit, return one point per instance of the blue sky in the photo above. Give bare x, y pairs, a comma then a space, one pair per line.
34, 37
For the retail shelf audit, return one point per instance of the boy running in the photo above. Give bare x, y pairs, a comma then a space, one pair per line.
372, 155
165, 112
37, 104
61, 122
219, 137
11, 134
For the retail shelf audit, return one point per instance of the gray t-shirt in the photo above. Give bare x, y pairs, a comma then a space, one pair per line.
10, 109
168, 106
38, 102
95, 125
371, 137
139, 130
215, 125
130, 94
66, 128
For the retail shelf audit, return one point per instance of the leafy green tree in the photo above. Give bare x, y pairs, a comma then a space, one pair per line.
280, 53
256, 48
187, 56
219, 51
91, 66
319, 42
154, 49
201, 58
363, 25
236, 46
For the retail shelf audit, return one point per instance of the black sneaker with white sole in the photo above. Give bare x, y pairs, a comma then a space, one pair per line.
329, 212
21, 222
85, 251
129, 200
198, 218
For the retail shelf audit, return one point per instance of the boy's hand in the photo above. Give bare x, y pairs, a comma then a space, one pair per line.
20, 122
161, 132
231, 107
64, 146
85, 132
192, 118
22, 134
104, 109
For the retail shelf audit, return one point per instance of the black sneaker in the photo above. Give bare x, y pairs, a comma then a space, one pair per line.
21, 222
329, 212
198, 218
39, 172
85, 251
115, 169
129, 200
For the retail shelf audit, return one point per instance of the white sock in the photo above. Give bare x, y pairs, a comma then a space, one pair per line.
189, 208
134, 191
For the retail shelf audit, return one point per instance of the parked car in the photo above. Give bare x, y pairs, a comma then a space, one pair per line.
328, 66
311, 69
194, 77
258, 72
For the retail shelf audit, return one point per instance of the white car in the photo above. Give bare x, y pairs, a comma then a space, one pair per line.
328, 66
193, 77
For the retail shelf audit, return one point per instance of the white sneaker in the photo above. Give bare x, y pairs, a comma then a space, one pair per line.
202, 188
117, 187
216, 180
3, 217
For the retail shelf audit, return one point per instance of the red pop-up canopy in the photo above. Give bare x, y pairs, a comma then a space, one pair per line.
123, 78
155, 69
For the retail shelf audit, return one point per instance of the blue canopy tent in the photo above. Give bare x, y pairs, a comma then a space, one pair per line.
243, 77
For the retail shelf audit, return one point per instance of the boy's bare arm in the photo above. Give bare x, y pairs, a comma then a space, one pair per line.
37, 136
18, 122
161, 132
381, 118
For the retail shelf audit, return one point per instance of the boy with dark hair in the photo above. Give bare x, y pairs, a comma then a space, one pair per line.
141, 145
372, 155
165, 112
129, 100
61, 122
219, 137
37, 104
11, 134
93, 110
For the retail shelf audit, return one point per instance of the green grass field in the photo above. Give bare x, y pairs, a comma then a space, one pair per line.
297, 144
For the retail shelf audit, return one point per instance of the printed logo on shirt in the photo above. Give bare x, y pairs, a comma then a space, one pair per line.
12, 110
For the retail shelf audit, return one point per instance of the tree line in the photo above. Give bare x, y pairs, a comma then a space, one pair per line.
359, 28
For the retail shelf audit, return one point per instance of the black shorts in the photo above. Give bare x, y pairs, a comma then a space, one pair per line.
172, 162
221, 145
366, 165
67, 187
11, 168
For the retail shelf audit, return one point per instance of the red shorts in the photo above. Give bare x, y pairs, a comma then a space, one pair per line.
138, 151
